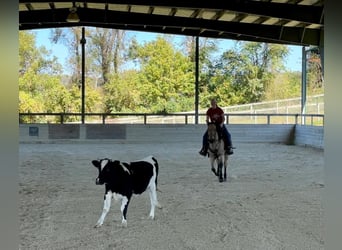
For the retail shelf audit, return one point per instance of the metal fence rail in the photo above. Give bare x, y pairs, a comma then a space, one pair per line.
284, 111
176, 118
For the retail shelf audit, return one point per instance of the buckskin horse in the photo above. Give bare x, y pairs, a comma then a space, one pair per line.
217, 155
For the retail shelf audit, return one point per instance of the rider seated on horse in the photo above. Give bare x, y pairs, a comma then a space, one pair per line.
216, 115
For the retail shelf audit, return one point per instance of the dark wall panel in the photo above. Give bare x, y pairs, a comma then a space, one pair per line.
64, 131
100, 131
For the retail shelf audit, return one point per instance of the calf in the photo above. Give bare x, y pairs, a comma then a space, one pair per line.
122, 180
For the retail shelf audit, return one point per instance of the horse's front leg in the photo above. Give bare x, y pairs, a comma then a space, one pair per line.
219, 169
225, 164
212, 164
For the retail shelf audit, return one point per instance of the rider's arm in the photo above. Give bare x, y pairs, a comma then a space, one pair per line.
223, 118
207, 119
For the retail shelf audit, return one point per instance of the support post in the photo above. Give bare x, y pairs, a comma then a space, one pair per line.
303, 99
83, 42
196, 79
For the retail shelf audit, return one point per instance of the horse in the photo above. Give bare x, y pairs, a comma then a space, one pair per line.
217, 155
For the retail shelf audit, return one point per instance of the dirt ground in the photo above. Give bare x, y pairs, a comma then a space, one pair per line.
272, 199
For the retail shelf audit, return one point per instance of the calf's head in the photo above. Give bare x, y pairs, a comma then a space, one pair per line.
104, 166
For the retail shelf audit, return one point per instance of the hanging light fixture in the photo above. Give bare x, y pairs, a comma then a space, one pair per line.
73, 17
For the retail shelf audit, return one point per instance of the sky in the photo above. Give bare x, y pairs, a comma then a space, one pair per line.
293, 62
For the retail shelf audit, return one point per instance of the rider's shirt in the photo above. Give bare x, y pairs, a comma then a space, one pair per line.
215, 115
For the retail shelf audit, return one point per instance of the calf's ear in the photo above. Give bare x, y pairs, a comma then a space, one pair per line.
96, 163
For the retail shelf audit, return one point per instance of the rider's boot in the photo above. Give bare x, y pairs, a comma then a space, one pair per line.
203, 151
228, 148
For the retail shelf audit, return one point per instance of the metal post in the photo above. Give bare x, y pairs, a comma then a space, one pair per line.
303, 99
196, 79
83, 42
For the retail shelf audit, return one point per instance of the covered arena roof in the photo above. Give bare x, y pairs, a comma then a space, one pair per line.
293, 22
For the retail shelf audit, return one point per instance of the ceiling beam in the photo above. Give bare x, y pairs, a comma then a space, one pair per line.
302, 13
114, 19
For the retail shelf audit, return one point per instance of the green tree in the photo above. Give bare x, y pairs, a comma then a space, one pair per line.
71, 38
40, 85
106, 48
206, 48
166, 80
315, 80
93, 97
35, 59
103, 48
42, 93
285, 85
122, 94
242, 75
36, 72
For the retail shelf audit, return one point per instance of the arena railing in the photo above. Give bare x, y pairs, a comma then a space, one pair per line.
169, 118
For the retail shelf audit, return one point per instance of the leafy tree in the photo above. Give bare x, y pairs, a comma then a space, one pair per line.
27, 51
93, 99
35, 59
206, 48
40, 85
41, 93
37, 72
285, 85
70, 37
245, 72
314, 72
166, 81
122, 94
105, 48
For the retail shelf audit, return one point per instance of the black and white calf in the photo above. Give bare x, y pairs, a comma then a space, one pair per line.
122, 180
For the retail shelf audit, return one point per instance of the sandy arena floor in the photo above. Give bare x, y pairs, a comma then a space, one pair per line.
272, 200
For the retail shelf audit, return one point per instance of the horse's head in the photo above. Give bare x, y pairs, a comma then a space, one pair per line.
212, 132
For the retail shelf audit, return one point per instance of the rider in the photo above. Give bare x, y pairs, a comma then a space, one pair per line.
216, 115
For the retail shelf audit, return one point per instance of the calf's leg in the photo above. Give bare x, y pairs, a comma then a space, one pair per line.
153, 198
106, 207
124, 207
